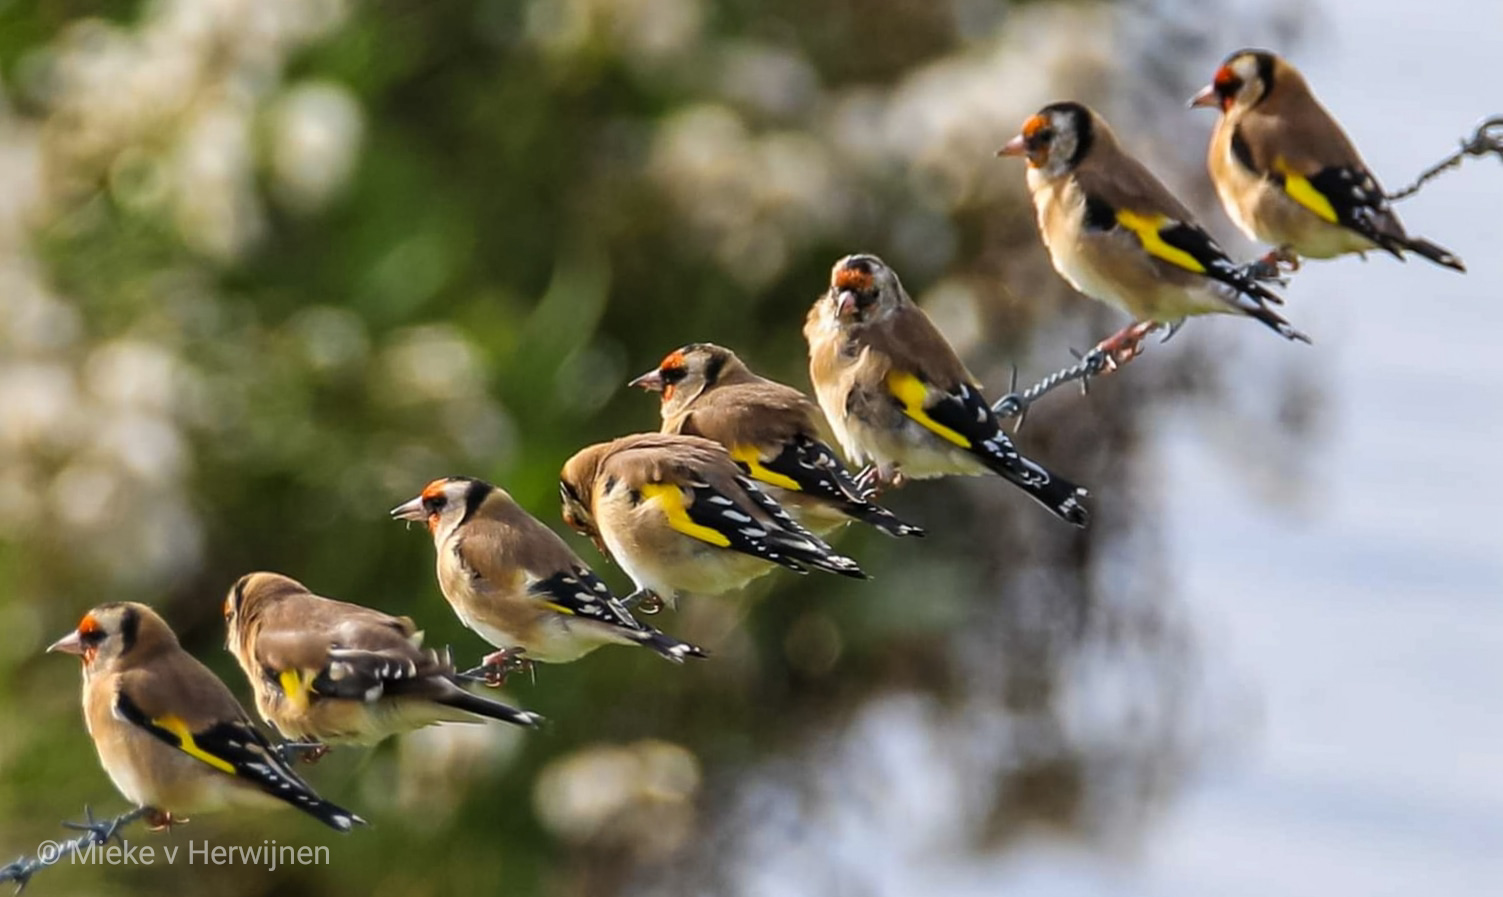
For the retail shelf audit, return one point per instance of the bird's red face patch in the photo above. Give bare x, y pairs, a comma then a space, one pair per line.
90, 633
434, 499
672, 369
1226, 83
1037, 134
853, 278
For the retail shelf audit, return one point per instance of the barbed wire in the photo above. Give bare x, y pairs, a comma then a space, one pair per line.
95, 832
1486, 138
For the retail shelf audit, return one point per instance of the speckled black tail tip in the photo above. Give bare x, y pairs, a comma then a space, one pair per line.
1277, 323
1063, 499
887, 521
335, 817
481, 706
670, 647
1435, 253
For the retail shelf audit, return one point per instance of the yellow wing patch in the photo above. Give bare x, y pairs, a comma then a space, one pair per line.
1146, 228
296, 687
911, 392
554, 606
748, 455
1303, 192
670, 499
187, 745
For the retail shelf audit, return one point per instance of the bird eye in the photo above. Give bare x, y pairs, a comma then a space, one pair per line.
437, 502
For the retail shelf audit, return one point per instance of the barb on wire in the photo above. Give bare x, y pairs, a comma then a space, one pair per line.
1016, 404
1487, 138
95, 832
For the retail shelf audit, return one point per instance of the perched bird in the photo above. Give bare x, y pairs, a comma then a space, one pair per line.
1118, 235
1288, 174
679, 516
517, 584
330, 672
899, 398
169, 733
772, 432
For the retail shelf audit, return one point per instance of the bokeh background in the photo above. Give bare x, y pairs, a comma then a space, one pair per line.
269, 266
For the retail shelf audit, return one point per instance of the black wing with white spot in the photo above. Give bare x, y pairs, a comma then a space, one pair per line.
365, 675
1219, 267
782, 540
236, 748
813, 466
968, 414
579, 592
1361, 204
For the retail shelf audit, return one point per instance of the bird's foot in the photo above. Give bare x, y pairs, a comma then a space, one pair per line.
645, 602
1273, 266
162, 820
496, 666
1119, 348
309, 752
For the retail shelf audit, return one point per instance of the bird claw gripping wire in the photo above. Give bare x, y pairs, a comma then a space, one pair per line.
95, 832
309, 751
1487, 138
645, 602
496, 666
1087, 365
1274, 267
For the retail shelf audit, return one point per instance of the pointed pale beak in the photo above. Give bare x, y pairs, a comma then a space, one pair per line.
652, 381
1014, 147
1207, 97
412, 510
845, 304
68, 644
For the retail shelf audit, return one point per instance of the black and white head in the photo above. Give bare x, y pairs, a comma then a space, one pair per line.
444, 505
1055, 140
1243, 81
116, 636
687, 372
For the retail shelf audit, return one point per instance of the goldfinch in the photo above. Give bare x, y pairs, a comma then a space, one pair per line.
1289, 175
899, 398
680, 517
333, 673
1118, 235
772, 432
169, 733
515, 582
